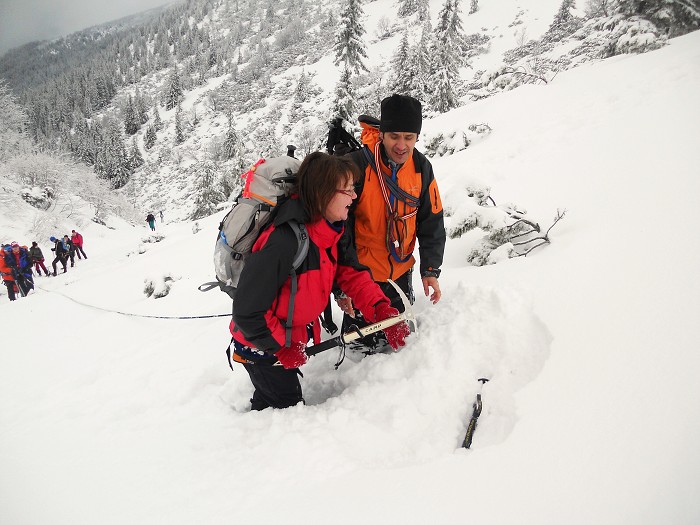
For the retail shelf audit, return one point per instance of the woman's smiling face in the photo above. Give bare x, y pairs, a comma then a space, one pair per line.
338, 207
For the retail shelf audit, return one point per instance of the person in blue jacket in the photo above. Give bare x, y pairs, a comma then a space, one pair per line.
16, 270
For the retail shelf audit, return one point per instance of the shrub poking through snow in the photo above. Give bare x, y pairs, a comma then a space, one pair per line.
152, 238
159, 286
506, 230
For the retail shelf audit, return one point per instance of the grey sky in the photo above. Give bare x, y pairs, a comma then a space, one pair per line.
23, 21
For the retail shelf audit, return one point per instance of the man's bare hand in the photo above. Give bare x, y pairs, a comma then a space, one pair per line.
432, 282
345, 304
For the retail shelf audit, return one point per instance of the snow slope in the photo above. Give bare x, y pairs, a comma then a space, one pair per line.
590, 344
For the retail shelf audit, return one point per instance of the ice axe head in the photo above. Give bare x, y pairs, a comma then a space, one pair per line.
408, 314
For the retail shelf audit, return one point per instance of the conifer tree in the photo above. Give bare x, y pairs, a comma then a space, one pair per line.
473, 7
179, 134
301, 93
349, 46
149, 138
231, 142
131, 123
135, 157
423, 10
112, 161
157, 122
173, 94
343, 104
208, 192
564, 24
445, 78
408, 7
140, 108
423, 63
403, 68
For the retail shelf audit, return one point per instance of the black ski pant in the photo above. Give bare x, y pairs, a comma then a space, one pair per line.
71, 256
10, 289
377, 340
24, 285
79, 250
58, 259
275, 386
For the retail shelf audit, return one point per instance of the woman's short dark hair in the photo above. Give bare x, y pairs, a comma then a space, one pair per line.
320, 175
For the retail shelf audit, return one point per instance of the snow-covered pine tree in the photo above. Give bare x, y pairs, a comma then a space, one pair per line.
149, 138
445, 77
208, 192
140, 108
343, 104
179, 133
135, 157
672, 17
296, 111
408, 7
131, 121
565, 23
423, 64
423, 10
403, 68
231, 143
173, 93
112, 161
349, 47
157, 122
473, 7
598, 8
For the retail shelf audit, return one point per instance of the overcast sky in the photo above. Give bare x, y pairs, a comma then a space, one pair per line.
23, 21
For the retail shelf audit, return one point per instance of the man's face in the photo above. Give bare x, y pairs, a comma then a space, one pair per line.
399, 145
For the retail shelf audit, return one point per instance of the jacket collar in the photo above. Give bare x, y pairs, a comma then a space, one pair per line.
323, 234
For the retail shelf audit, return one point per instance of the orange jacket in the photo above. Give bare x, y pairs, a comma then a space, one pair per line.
4, 269
24, 265
376, 237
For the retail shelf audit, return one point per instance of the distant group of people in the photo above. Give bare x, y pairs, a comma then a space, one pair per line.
16, 262
151, 220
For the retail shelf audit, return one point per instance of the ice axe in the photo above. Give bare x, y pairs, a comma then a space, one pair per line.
357, 332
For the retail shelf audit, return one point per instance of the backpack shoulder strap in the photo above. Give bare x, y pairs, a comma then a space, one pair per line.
302, 236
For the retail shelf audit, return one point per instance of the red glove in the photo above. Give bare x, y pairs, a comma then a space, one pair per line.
292, 356
396, 335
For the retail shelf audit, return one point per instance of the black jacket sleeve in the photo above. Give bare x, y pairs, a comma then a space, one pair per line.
430, 223
262, 277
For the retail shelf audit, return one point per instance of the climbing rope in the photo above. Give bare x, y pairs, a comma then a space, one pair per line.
132, 314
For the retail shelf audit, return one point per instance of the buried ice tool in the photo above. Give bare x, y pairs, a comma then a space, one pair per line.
476, 412
356, 332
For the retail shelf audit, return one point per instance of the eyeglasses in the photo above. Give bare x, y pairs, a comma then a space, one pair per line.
350, 193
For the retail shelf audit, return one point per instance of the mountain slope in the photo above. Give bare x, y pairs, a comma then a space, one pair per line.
590, 344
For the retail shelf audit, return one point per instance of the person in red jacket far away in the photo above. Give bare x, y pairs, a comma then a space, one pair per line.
78, 243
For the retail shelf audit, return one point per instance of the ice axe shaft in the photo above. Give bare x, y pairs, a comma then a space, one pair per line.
352, 335
358, 333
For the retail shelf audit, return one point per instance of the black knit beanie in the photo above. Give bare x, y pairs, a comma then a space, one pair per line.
401, 113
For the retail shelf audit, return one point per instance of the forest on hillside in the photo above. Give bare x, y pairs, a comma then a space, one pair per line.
101, 95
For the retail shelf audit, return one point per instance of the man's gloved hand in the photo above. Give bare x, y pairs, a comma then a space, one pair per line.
292, 356
396, 335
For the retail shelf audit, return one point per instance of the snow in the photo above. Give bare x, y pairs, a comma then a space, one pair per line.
590, 344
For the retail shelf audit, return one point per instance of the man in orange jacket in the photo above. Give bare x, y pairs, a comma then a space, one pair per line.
398, 203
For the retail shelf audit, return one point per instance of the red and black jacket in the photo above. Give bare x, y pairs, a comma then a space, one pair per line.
262, 297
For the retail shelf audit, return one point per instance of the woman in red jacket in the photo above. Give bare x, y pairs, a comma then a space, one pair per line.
324, 194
